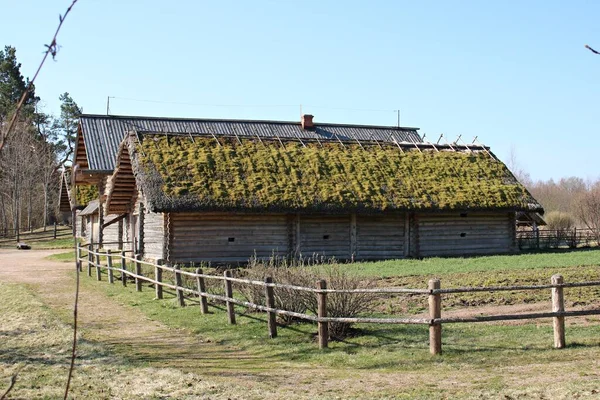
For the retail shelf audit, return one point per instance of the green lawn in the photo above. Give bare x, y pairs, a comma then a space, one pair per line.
482, 357
38, 239
432, 266
485, 360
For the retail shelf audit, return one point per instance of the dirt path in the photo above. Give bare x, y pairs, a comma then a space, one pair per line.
104, 320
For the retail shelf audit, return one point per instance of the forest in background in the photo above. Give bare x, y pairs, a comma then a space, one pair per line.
34, 154
42, 144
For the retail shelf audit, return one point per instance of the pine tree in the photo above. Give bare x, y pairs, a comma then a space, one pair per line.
12, 86
67, 125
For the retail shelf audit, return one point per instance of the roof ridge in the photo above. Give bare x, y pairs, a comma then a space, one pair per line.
229, 120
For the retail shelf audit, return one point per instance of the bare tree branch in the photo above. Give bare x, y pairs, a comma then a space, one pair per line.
75, 305
592, 50
13, 380
51, 48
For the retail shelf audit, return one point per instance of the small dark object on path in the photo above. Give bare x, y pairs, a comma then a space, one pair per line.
23, 246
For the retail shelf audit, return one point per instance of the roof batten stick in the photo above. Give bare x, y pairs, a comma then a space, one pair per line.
277, 136
431, 144
298, 137
216, 139
416, 146
466, 144
191, 137
397, 144
236, 135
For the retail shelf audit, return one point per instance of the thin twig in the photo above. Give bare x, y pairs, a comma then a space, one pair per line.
13, 380
51, 48
74, 349
592, 50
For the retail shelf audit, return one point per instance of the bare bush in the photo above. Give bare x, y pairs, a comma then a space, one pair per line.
560, 224
298, 273
588, 209
343, 304
286, 299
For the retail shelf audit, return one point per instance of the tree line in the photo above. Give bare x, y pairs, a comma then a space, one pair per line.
36, 152
569, 202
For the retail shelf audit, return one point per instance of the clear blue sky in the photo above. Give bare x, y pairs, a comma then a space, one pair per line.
515, 73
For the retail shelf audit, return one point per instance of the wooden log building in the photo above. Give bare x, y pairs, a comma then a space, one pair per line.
183, 190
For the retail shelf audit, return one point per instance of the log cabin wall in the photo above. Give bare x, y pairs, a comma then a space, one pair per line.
153, 236
465, 234
323, 236
111, 233
79, 225
226, 237
380, 237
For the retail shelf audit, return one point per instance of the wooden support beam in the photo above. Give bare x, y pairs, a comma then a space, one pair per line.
353, 236
323, 327
270, 302
558, 305
435, 311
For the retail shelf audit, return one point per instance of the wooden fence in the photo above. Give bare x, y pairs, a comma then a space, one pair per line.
118, 261
52, 232
557, 238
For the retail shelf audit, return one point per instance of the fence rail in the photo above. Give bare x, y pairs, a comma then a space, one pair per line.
53, 232
557, 238
87, 254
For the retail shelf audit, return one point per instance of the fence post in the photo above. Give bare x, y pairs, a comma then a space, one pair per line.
179, 284
435, 311
323, 327
201, 289
54, 230
90, 258
229, 295
138, 273
78, 256
158, 289
558, 305
270, 296
98, 270
124, 268
111, 278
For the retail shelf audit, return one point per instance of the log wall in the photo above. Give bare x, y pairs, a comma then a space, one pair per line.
153, 236
79, 227
111, 233
465, 234
228, 237
221, 237
325, 236
380, 237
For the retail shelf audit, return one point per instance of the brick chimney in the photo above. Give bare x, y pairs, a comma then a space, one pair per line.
307, 122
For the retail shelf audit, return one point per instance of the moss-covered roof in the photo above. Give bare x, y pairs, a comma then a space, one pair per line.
85, 193
177, 173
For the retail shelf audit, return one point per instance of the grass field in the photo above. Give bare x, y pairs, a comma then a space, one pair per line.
491, 360
38, 239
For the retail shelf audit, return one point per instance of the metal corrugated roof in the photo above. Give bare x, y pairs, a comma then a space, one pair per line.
103, 133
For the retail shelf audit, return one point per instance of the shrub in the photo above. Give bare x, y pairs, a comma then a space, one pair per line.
297, 273
342, 304
285, 299
560, 224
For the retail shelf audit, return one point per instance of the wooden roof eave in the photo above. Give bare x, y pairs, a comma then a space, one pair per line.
122, 184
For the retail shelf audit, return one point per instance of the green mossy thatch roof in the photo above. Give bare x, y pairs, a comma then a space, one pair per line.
85, 193
177, 174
